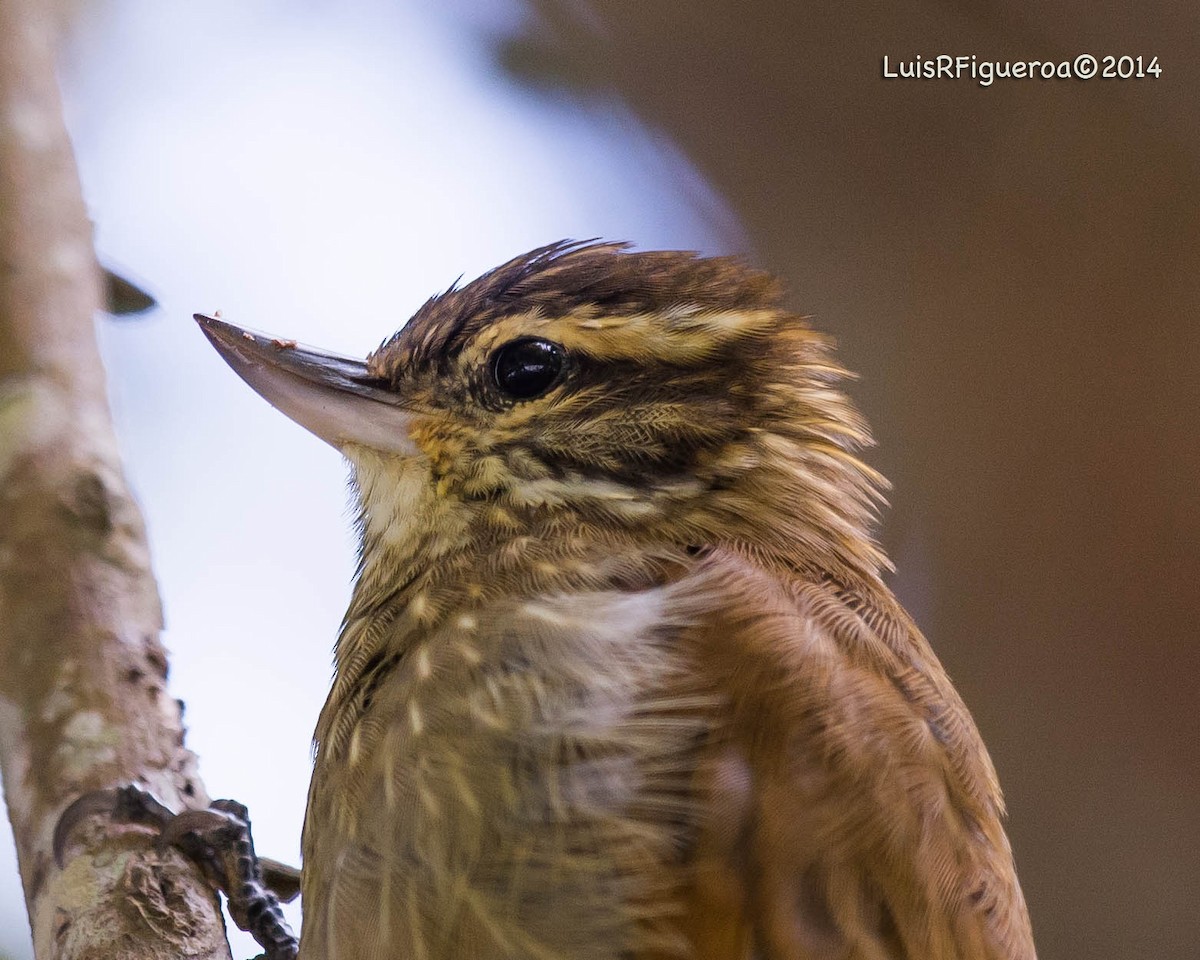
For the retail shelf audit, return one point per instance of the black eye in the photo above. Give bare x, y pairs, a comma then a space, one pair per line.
525, 369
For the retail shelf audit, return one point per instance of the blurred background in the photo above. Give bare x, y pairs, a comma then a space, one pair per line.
1012, 269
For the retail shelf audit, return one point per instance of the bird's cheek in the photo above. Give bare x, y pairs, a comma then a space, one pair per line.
442, 443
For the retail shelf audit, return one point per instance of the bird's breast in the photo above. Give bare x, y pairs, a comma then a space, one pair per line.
515, 784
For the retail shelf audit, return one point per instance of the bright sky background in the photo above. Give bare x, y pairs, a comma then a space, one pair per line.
316, 170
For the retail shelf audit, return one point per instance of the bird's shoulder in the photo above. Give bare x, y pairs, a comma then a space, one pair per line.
850, 808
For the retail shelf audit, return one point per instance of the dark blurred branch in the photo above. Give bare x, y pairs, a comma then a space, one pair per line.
123, 297
83, 700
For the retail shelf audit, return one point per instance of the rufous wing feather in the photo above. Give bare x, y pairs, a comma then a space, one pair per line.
850, 809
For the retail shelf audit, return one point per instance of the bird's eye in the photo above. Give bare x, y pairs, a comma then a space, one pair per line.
525, 369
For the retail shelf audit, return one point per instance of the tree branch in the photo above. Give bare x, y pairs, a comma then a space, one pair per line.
83, 701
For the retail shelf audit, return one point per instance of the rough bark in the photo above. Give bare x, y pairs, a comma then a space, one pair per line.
83, 699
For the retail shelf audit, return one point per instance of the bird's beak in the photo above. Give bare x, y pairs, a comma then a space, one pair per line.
331, 396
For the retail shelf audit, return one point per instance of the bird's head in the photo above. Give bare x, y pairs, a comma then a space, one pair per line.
646, 396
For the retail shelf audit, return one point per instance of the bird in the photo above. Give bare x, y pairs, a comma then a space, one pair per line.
621, 677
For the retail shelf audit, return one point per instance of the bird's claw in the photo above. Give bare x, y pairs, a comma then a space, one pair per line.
218, 841
126, 804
